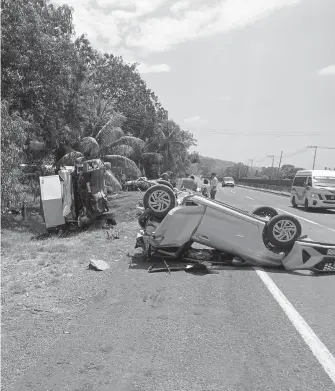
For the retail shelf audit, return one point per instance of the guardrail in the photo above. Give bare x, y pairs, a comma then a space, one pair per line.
270, 184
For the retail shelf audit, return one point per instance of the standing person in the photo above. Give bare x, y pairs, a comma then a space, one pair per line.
195, 183
214, 185
189, 183
205, 188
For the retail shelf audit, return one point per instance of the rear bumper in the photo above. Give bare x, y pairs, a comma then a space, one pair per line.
309, 255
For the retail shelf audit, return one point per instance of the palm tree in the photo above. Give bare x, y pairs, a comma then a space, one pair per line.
108, 145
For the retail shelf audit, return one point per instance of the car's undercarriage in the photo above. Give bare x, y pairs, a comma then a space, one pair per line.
169, 230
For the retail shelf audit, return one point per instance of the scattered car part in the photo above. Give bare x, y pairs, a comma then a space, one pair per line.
188, 268
98, 264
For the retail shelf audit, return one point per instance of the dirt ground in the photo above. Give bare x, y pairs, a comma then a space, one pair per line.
46, 281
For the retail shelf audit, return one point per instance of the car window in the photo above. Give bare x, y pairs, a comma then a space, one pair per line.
309, 181
299, 181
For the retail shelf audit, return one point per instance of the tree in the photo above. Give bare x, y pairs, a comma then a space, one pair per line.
238, 171
194, 157
13, 135
78, 102
288, 171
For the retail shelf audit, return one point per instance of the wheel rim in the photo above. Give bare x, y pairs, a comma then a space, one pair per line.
284, 230
159, 201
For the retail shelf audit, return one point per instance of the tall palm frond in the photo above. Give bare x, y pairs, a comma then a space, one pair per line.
111, 181
127, 166
108, 134
69, 159
89, 147
133, 142
124, 150
152, 157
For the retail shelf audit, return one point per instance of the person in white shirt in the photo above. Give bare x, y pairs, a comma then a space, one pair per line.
214, 185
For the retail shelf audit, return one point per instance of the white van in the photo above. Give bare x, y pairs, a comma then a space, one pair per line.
314, 189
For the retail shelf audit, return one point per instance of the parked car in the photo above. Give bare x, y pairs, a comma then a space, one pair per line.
228, 182
262, 238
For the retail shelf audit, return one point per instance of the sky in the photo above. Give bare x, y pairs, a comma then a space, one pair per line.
249, 78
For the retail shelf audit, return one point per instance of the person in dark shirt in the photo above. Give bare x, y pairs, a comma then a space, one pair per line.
189, 183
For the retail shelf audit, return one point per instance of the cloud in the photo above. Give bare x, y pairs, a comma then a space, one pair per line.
329, 70
135, 24
160, 34
156, 68
180, 6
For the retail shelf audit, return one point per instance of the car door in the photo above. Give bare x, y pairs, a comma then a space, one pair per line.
228, 229
308, 189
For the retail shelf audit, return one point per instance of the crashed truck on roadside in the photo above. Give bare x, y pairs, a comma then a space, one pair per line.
172, 221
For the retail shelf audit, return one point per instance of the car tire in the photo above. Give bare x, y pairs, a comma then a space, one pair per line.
165, 183
293, 202
265, 211
306, 206
277, 226
160, 199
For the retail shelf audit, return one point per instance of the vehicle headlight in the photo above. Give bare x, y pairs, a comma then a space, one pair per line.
316, 195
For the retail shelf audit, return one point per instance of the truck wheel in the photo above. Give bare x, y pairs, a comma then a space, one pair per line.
306, 205
160, 199
282, 231
265, 211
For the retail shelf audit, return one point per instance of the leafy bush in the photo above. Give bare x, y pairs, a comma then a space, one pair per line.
12, 139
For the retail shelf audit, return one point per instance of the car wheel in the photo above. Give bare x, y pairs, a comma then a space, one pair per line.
160, 199
306, 205
166, 183
265, 211
293, 202
282, 231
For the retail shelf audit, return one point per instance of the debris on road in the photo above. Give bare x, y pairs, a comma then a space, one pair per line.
188, 268
98, 265
112, 236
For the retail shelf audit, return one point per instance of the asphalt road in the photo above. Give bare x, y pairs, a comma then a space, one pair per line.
184, 332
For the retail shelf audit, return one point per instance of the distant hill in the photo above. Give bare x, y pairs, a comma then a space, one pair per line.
208, 165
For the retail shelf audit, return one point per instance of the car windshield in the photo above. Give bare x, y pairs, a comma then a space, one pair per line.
228, 178
324, 181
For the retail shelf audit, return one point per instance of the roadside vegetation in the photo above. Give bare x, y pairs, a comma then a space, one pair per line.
63, 100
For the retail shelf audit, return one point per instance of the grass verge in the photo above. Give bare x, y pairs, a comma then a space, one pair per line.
46, 282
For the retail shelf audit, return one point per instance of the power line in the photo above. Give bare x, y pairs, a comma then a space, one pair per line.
252, 134
315, 147
295, 153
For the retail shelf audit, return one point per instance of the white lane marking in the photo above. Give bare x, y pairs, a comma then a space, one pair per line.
320, 351
308, 221
249, 198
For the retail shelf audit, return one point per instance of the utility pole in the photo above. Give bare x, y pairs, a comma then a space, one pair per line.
251, 161
273, 159
315, 149
281, 156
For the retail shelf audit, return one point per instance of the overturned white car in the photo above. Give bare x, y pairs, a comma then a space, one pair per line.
170, 225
